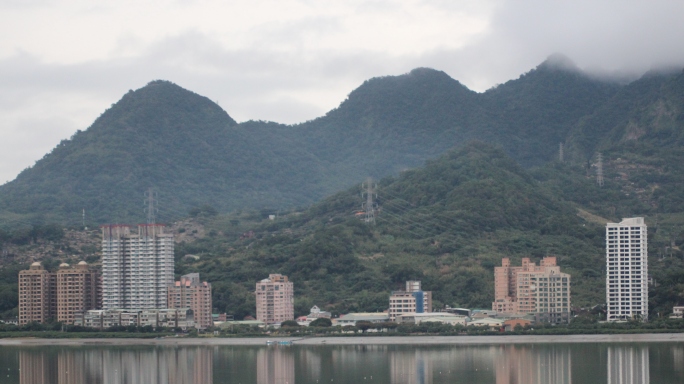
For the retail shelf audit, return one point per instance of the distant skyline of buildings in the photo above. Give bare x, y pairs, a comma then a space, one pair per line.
137, 281
138, 270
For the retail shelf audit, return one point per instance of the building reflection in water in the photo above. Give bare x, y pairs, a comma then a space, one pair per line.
411, 367
628, 365
275, 366
117, 366
678, 356
534, 365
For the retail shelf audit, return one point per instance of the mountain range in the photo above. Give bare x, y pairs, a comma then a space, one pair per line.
463, 179
193, 153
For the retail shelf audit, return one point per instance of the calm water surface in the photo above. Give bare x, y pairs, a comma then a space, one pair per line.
659, 363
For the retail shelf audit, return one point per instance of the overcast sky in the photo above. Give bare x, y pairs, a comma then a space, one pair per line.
63, 62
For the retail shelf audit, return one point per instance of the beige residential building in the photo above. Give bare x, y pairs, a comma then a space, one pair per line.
274, 299
192, 293
541, 290
412, 300
60, 295
78, 290
37, 297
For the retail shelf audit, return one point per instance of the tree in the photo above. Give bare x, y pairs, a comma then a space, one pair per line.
364, 325
321, 322
289, 323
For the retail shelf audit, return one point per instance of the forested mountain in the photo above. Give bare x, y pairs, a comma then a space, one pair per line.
447, 224
193, 153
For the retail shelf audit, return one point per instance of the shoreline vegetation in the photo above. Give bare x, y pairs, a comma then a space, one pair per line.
347, 340
579, 326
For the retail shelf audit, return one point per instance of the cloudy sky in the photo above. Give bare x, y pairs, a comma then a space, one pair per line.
63, 62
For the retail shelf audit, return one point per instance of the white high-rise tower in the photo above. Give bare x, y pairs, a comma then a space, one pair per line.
136, 268
627, 270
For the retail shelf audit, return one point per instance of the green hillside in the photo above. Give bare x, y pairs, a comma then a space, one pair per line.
447, 224
193, 153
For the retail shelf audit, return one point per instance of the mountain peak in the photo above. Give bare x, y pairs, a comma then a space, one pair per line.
558, 61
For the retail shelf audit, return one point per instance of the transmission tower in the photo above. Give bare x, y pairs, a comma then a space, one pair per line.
560, 152
599, 170
151, 205
369, 206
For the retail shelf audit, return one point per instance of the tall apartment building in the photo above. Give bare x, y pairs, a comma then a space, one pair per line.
541, 290
37, 301
78, 290
627, 270
194, 294
60, 295
274, 299
412, 300
137, 267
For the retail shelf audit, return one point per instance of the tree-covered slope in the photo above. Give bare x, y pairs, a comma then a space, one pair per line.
193, 153
447, 224
165, 137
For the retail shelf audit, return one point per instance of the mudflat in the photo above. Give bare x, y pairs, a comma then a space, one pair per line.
356, 340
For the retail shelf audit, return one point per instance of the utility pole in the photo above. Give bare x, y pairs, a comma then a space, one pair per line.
151, 202
599, 170
560, 152
369, 205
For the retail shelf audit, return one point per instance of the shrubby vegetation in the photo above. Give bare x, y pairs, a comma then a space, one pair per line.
447, 224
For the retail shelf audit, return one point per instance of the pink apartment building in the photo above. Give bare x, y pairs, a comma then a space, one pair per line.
541, 290
190, 292
274, 299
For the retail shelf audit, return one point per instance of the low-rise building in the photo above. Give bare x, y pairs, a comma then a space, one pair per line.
412, 300
491, 323
314, 313
677, 313
353, 318
156, 318
509, 325
431, 317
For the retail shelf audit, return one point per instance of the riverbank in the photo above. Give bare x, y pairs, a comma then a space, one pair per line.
367, 340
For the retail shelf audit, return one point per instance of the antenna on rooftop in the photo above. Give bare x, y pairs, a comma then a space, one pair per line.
151, 202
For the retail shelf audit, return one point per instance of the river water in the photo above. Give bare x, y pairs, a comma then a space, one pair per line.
659, 363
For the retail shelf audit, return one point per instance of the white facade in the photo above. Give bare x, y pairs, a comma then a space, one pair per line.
627, 270
136, 268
